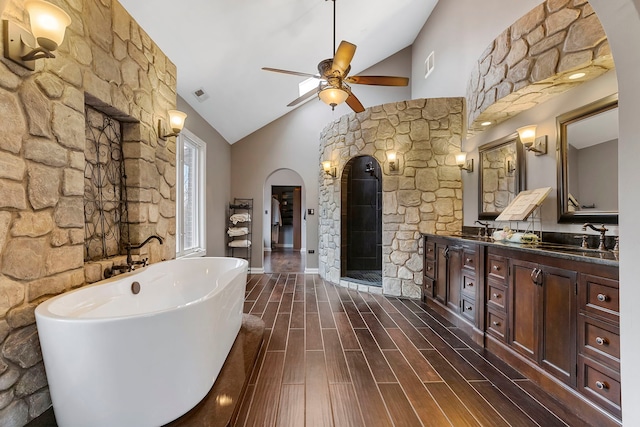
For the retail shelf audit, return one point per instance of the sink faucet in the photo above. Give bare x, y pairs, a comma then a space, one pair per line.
130, 247
602, 230
485, 225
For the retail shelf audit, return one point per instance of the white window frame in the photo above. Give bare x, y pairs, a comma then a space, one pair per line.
201, 174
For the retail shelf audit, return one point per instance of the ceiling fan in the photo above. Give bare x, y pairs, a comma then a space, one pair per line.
333, 88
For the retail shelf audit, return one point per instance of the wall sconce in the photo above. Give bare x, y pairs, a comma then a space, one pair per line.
48, 25
392, 158
463, 163
511, 166
528, 138
331, 171
176, 121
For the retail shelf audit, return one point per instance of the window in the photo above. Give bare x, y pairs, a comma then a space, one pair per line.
190, 240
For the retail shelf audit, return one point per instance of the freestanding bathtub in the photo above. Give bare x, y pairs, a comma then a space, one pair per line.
115, 358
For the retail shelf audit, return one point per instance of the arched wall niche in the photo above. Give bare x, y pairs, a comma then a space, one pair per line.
424, 194
532, 60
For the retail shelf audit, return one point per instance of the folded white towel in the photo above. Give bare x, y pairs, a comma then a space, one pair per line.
237, 231
240, 217
240, 243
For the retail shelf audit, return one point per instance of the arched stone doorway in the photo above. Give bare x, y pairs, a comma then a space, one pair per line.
361, 225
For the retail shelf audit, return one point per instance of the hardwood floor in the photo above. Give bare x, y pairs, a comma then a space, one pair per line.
336, 357
283, 260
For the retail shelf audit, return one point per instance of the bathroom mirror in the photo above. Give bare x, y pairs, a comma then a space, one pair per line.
502, 175
588, 163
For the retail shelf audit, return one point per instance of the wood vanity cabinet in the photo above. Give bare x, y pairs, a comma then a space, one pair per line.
554, 318
542, 316
450, 284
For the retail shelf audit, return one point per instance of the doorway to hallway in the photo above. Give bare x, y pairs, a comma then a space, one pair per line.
286, 230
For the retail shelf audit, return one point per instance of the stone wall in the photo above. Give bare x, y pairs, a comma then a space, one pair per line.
423, 196
108, 62
531, 61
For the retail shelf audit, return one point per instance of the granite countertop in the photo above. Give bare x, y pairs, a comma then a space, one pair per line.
574, 253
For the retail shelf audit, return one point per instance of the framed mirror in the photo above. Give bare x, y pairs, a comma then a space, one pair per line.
501, 175
588, 163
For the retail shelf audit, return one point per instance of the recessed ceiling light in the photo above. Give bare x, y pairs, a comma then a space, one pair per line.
577, 76
485, 123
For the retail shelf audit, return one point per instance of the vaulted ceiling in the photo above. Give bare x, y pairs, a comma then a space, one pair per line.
220, 47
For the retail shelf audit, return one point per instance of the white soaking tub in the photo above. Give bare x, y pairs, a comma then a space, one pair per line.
115, 358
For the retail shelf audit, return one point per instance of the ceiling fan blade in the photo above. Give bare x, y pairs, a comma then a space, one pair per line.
303, 97
354, 103
295, 73
343, 56
378, 80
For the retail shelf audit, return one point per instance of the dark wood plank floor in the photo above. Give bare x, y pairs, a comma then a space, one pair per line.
336, 357
283, 260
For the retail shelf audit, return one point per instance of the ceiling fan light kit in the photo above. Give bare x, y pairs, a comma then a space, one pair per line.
333, 96
332, 74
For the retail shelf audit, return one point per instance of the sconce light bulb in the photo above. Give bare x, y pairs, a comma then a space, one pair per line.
326, 166
461, 158
527, 134
176, 120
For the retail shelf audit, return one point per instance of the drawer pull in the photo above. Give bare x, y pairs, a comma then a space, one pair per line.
470, 285
602, 298
496, 323
497, 296
427, 286
468, 260
429, 268
469, 308
602, 341
601, 385
429, 250
496, 267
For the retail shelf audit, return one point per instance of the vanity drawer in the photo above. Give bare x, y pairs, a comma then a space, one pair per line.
497, 268
601, 384
469, 309
496, 295
469, 285
430, 269
600, 296
599, 340
428, 287
430, 250
496, 324
469, 259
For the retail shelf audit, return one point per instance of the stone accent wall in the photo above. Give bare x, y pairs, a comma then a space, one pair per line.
423, 196
108, 62
530, 62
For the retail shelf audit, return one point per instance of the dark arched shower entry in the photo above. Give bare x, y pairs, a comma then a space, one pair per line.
361, 221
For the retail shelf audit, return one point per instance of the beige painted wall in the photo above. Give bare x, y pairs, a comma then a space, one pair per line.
292, 142
218, 186
458, 31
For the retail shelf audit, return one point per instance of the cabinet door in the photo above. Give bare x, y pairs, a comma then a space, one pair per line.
525, 302
440, 285
558, 350
454, 278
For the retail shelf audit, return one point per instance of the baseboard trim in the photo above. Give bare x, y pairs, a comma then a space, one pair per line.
311, 271
256, 270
